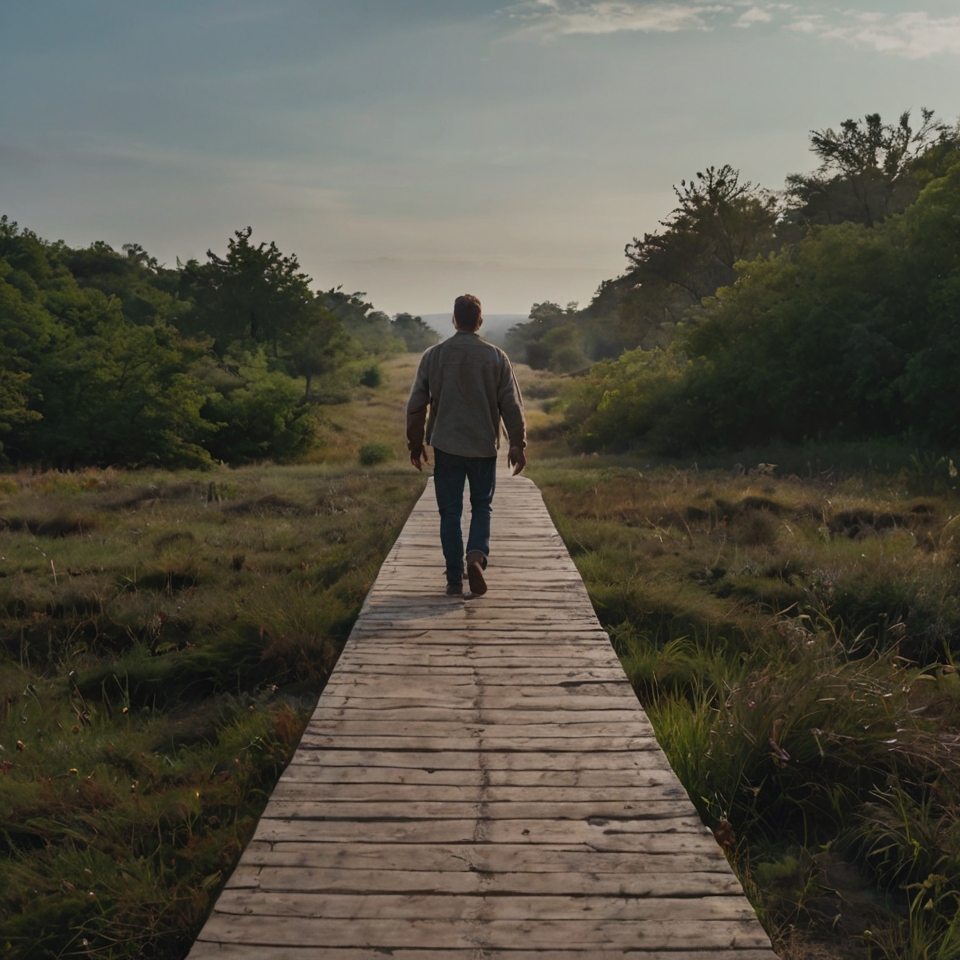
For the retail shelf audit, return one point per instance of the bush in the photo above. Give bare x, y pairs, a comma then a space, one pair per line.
371, 377
374, 453
262, 419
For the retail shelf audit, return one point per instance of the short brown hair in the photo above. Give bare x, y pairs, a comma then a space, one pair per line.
467, 312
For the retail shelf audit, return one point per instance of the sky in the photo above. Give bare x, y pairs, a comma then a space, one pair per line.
419, 149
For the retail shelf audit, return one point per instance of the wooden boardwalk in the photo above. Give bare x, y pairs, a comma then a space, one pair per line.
478, 781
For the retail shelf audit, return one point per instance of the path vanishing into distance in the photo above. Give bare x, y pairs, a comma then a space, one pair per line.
479, 781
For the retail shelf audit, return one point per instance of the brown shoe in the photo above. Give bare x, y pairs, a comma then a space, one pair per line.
475, 564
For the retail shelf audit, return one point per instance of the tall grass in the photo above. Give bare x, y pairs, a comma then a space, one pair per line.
792, 641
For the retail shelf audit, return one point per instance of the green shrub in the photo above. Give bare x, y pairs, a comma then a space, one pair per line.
371, 377
262, 419
374, 453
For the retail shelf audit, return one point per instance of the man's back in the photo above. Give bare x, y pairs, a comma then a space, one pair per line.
469, 385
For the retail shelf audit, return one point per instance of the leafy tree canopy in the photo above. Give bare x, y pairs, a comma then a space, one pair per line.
108, 357
870, 169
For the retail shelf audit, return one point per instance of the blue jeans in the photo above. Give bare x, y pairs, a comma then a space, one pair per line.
449, 474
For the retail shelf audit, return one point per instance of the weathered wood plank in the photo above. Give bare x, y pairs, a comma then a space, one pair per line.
295, 789
473, 759
384, 698
651, 883
469, 715
454, 810
416, 906
660, 934
561, 729
233, 951
594, 833
322, 774
490, 741
483, 858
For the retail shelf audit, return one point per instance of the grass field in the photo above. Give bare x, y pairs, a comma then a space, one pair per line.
793, 642
791, 630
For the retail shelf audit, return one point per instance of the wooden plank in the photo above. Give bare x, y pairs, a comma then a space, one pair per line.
661, 934
491, 741
468, 716
651, 883
385, 698
234, 951
296, 788
452, 809
482, 857
436, 906
595, 833
629, 777
489, 760
564, 729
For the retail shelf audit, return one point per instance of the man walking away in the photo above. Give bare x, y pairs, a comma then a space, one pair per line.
469, 387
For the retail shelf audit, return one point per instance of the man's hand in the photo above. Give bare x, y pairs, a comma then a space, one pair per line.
416, 456
517, 459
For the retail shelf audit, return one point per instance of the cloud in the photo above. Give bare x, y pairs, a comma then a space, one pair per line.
754, 15
552, 18
912, 35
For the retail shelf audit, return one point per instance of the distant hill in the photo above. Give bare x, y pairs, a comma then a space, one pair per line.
495, 325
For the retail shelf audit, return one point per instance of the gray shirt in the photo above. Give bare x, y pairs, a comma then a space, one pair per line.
469, 386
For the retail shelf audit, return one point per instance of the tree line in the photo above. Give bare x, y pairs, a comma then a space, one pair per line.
827, 310
110, 358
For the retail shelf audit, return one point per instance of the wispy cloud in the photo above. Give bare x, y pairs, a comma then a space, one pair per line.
912, 35
552, 18
754, 15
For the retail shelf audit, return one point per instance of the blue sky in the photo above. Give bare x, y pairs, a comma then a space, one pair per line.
417, 149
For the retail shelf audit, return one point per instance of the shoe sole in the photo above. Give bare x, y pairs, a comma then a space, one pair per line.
478, 586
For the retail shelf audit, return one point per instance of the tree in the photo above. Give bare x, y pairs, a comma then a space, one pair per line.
118, 394
319, 348
414, 332
373, 329
254, 293
867, 169
718, 222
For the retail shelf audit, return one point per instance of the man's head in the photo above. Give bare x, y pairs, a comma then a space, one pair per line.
467, 314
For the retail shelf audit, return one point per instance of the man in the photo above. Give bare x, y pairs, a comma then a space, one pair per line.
468, 386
